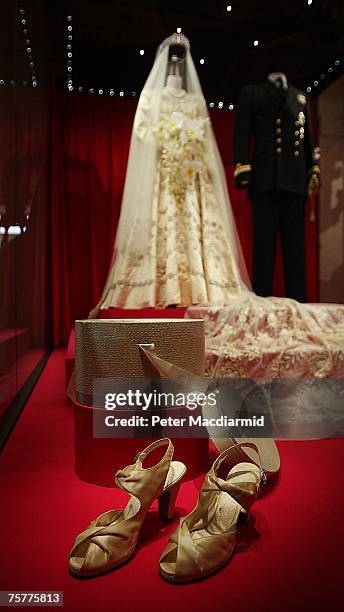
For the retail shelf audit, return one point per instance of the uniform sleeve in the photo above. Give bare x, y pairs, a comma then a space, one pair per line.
242, 137
313, 169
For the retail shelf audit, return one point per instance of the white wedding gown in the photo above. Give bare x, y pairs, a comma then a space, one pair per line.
188, 258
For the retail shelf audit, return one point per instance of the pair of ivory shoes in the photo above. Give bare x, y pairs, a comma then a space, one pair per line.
204, 539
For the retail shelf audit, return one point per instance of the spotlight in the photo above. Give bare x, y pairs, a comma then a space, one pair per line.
29, 49
100, 91
69, 28
112, 93
2, 82
91, 90
69, 18
220, 104
309, 2
330, 69
337, 62
121, 93
211, 104
229, 8
179, 30
309, 89
69, 54
142, 51
255, 43
201, 61
35, 84
316, 83
231, 106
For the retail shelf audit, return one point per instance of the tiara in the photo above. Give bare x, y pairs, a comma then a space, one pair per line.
174, 39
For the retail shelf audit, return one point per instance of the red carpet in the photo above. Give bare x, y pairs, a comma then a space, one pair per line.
289, 555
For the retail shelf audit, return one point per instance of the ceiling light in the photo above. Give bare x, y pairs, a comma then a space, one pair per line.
256, 43
142, 51
229, 7
201, 61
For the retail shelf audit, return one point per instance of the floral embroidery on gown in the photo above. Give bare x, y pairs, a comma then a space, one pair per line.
188, 259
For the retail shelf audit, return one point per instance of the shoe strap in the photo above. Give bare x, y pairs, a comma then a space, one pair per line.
231, 450
244, 491
140, 457
146, 483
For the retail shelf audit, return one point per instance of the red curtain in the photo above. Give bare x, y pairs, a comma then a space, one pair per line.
90, 145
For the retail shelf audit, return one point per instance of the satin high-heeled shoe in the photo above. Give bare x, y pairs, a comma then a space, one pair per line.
205, 538
111, 539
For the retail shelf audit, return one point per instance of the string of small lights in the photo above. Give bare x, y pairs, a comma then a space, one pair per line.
324, 75
122, 93
23, 21
69, 51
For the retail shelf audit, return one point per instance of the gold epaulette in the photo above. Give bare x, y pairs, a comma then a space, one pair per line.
239, 168
314, 169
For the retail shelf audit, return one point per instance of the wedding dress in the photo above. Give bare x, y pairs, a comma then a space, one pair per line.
176, 242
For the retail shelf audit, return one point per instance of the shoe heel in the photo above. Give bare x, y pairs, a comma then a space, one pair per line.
167, 502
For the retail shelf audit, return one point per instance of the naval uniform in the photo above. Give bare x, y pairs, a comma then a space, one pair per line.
274, 158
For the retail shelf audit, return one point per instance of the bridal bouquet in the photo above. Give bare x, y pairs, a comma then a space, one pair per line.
182, 143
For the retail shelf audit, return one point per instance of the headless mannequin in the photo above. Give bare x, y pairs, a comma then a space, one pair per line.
278, 79
174, 81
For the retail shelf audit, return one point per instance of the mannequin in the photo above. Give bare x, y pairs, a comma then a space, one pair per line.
279, 79
176, 81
